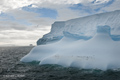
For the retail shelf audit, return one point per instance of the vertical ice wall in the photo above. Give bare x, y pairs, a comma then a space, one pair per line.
55, 34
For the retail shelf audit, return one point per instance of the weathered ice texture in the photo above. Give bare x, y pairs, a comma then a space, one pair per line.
85, 26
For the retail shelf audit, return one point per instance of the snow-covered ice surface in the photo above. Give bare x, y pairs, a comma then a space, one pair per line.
90, 46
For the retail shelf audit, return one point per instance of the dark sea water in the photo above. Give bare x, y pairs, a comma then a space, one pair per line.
12, 69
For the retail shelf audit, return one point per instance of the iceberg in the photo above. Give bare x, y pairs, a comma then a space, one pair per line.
76, 48
100, 52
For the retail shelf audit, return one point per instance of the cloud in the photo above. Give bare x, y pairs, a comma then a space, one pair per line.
7, 25
13, 4
42, 12
93, 6
16, 37
30, 16
55, 7
31, 19
113, 6
22, 20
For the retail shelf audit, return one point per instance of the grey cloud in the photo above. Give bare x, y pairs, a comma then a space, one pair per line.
112, 7
42, 21
7, 25
31, 18
18, 37
28, 17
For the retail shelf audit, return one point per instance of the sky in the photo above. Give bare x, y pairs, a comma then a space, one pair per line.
23, 22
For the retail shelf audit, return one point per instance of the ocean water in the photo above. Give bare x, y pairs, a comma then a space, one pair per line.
12, 69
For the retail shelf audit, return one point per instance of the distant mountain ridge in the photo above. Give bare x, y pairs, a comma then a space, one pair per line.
84, 26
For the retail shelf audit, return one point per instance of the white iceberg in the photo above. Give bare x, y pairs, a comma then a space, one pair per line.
99, 52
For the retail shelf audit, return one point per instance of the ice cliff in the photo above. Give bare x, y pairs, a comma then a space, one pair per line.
85, 26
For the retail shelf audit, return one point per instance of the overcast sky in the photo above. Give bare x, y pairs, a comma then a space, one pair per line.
23, 22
